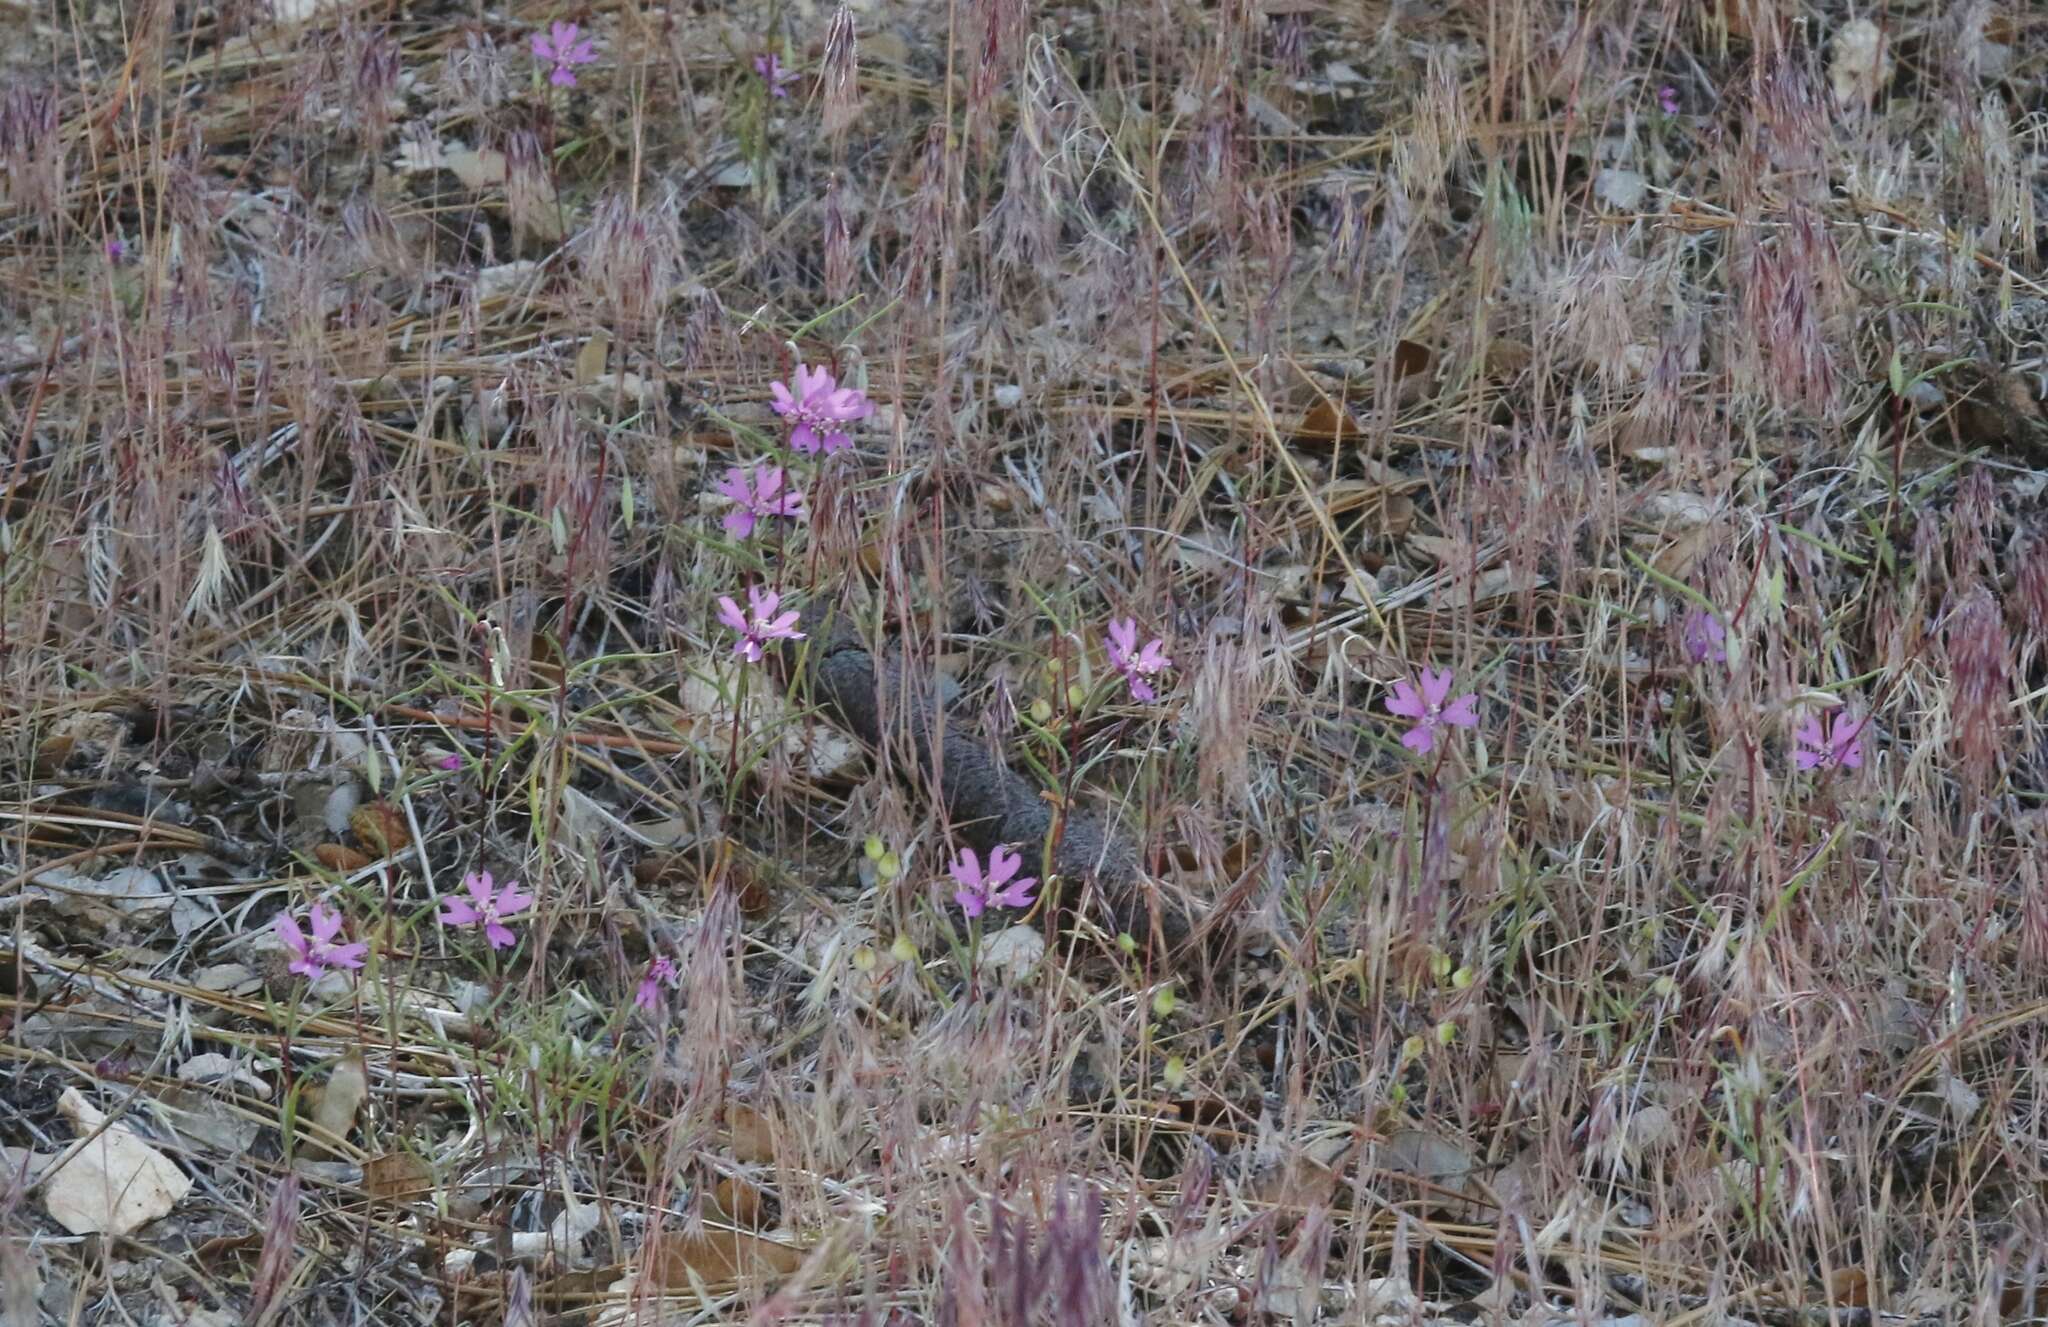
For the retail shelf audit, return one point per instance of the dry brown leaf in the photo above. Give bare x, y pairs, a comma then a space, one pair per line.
1438, 1163
397, 1177
590, 359
1849, 1288
1859, 63
737, 1201
339, 857
341, 1097
114, 1182
381, 826
718, 1257
752, 1137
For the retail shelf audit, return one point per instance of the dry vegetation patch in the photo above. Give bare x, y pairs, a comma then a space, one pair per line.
1004, 663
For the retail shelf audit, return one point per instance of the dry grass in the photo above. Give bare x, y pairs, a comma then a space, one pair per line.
363, 397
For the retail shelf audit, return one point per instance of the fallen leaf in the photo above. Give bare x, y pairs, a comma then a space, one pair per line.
752, 1137
114, 1183
1849, 1288
339, 857
397, 1177
590, 359
1859, 65
340, 1097
381, 826
716, 1257
1439, 1163
737, 1201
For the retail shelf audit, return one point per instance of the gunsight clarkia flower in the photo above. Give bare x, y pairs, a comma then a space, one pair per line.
1833, 743
759, 624
979, 891
1138, 666
778, 79
1706, 640
1425, 705
487, 906
314, 954
758, 493
819, 408
562, 49
660, 973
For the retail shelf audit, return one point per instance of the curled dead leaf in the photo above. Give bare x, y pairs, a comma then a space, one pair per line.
718, 1257
397, 1177
340, 857
381, 826
339, 1098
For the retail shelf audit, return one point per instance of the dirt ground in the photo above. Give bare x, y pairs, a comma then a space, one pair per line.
1417, 691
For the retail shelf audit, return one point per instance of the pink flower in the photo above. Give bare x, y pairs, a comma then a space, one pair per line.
450, 762
1706, 640
660, 973
117, 249
1667, 99
1428, 710
488, 906
314, 954
757, 494
819, 405
1138, 666
977, 891
769, 67
759, 624
1836, 743
561, 49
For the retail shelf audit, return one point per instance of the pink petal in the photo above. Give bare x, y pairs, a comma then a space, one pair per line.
1809, 733
541, 49
1462, 712
562, 78
457, 912
511, 903
287, 928
1422, 738
1436, 685
762, 601
348, 956
739, 523
1002, 864
970, 902
966, 869
1141, 689
1123, 637
804, 438
785, 626
326, 923
1018, 895
784, 403
729, 613
1405, 702
501, 937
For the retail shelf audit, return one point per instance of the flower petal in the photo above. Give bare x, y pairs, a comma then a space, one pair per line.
1405, 702
1420, 738
1462, 712
1436, 685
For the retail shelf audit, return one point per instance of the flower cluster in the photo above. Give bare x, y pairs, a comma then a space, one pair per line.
819, 409
1706, 640
759, 624
778, 79
487, 906
313, 954
1836, 743
978, 890
1138, 666
562, 49
758, 494
1425, 704
661, 972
